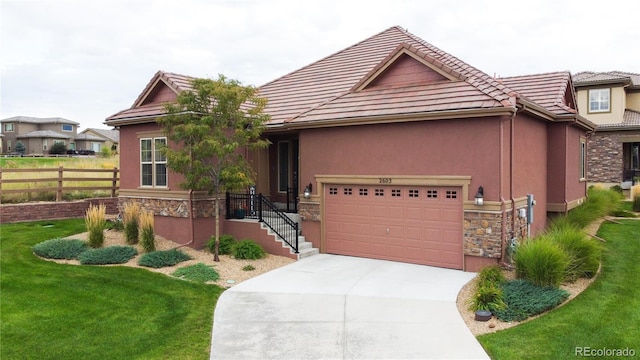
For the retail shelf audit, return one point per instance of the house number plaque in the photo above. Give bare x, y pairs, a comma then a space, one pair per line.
385, 180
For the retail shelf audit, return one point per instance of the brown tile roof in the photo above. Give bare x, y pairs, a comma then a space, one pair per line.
586, 78
35, 120
547, 90
631, 121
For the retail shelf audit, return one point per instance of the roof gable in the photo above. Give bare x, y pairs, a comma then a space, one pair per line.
163, 87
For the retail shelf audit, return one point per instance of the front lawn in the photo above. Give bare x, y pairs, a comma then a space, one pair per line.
605, 316
54, 311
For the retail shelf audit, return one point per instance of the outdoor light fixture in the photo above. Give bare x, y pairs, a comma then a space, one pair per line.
307, 191
479, 198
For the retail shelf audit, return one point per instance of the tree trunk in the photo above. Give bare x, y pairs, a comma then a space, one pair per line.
217, 244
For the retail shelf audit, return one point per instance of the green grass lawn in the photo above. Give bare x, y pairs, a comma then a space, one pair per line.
53, 311
606, 315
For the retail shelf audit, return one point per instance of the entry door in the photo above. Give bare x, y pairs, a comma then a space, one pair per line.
421, 225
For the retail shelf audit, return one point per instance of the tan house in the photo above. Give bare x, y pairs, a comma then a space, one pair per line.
110, 138
37, 134
611, 100
390, 149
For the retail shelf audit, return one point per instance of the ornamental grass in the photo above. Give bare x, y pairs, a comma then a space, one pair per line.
147, 237
95, 219
131, 214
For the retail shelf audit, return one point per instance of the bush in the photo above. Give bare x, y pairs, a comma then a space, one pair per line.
524, 299
584, 253
60, 249
116, 225
541, 261
148, 241
248, 268
616, 188
199, 273
488, 294
491, 274
19, 147
95, 222
58, 149
107, 255
636, 203
248, 249
227, 243
130, 219
600, 202
158, 259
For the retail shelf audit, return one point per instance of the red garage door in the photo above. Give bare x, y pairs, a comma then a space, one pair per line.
420, 225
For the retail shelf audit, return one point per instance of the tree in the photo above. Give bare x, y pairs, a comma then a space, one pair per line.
210, 126
58, 148
19, 147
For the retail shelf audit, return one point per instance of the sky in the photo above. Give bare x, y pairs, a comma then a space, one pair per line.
85, 60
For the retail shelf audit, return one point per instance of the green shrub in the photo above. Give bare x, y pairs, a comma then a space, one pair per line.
148, 239
95, 221
107, 255
131, 225
616, 188
524, 299
227, 243
58, 148
491, 274
199, 273
60, 249
248, 249
248, 268
584, 253
541, 261
600, 202
116, 225
158, 259
636, 203
488, 296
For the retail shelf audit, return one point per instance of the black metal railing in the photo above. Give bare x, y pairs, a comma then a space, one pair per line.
630, 174
258, 207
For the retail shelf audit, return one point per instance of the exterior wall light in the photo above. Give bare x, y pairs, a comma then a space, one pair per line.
479, 198
307, 191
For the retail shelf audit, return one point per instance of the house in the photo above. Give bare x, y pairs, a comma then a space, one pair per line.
110, 137
39, 134
611, 100
403, 152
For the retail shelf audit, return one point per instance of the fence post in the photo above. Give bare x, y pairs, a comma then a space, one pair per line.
115, 177
59, 192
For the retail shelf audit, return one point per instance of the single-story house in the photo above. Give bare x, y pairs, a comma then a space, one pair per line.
110, 137
402, 151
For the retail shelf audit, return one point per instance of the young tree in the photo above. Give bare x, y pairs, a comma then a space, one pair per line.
19, 147
211, 125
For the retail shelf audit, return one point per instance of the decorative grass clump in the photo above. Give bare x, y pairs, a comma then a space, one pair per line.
248, 250
107, 255
159, 259
131, 215
248, 268
541, 261
60, 249
600, 202
95, 219
199, 272
227, 243
635, 191
488, 295
584, 253
148, 240
524, 299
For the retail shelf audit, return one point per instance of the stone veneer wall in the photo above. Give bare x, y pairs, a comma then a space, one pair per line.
309, 211
482, 234
202, 208
604, 163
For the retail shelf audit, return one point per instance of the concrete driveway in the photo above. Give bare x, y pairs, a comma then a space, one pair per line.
339, 307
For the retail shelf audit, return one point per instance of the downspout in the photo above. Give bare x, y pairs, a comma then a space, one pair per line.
500, 180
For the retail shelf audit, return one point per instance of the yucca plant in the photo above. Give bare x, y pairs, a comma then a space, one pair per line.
131, 215
147, 238
96, 222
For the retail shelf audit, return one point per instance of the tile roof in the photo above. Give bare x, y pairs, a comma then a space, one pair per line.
111, 135
45, 134
35, 120
547, 90
631, 120
88, 137
585, 78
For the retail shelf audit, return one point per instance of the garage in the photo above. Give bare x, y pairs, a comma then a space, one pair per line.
413, 224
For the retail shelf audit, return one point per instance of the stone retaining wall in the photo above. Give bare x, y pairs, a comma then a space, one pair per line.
10, 213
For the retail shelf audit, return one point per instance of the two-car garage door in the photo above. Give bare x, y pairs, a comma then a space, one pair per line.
414, 224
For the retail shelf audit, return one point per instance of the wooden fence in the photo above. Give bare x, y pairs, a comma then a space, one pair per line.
58, 176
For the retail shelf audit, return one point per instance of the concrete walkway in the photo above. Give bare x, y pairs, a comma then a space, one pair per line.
339, 307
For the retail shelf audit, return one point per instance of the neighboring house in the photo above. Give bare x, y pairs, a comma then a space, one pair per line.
395, 138
39, 134
111, 138
612, 101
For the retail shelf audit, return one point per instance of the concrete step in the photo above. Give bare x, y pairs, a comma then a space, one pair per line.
307, 252
272, 214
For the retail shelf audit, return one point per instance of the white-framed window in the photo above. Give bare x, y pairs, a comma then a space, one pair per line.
95, 146
44, 145
599, 100
153, 164
8, 127
67, 127
583, 159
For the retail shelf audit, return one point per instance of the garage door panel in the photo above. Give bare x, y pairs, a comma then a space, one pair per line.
420, 225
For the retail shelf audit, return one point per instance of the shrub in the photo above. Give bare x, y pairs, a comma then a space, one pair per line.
248, 249
148, 241
130, 219
158, 259
636, 202
116, 225
541, 261
584, 252
491, 274
199, 273
58, 149
616, 188
227, 243
107, 255
524, 299
600, 202
488, 294
248, 268
95, 221
60, 249
19, 147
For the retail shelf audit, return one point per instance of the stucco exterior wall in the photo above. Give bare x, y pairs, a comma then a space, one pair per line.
633, 100
617, 105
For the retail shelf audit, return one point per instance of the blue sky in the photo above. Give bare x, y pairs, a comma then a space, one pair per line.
85, 60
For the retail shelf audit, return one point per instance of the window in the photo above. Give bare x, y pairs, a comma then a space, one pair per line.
379, 192
396, 193
347, 191
44, 145
58, 142
67, 127
432, 194
95, 146
8, 127
333, 191
153, 164
364, 192
583, 159
599, 100
414, 193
